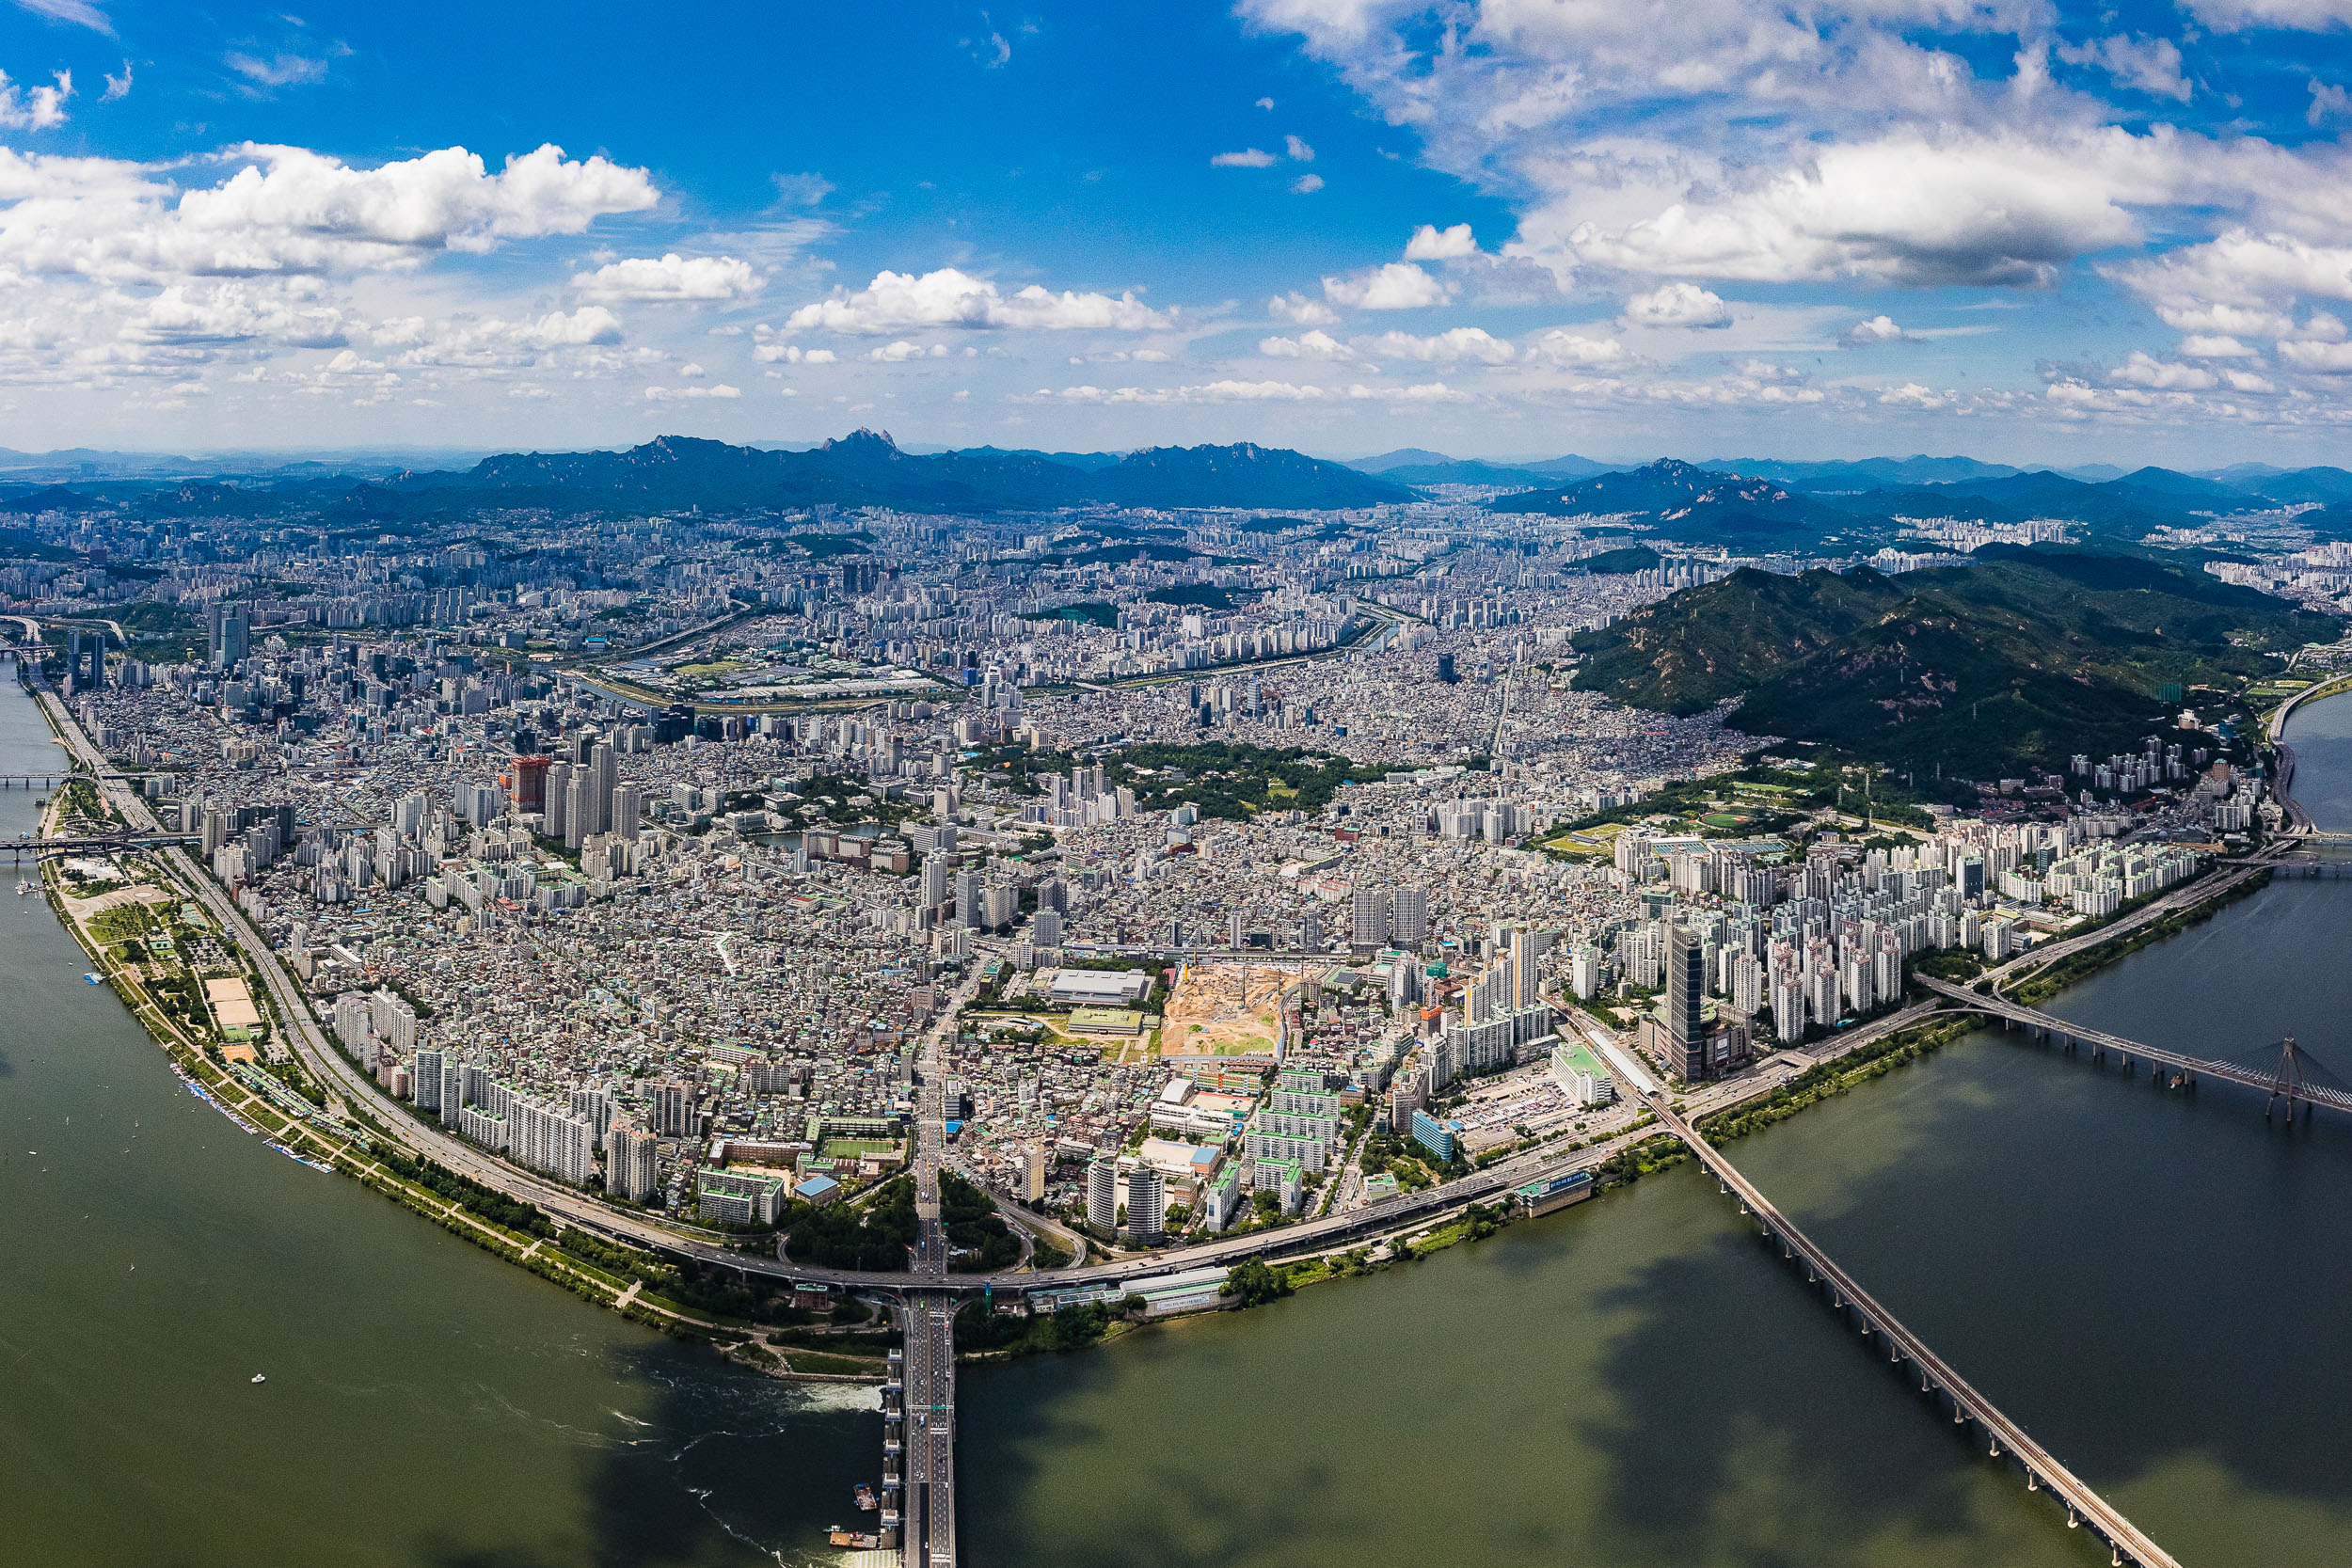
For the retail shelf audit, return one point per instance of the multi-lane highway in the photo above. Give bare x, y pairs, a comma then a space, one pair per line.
928, 1508
927, 1319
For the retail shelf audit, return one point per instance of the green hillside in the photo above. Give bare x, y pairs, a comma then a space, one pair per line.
1979, 668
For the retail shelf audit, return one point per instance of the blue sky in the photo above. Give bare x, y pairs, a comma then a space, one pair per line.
2028, 231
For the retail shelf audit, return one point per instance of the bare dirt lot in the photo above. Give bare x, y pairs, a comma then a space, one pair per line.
1225, 1009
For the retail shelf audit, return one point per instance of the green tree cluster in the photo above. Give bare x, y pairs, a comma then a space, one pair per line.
1254, 1283
874, 1237
982, 1242
1071, 1329
471, 1196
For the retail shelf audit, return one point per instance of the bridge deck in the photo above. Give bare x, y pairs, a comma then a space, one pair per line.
929, 1510
2005, 1435
2018, 1013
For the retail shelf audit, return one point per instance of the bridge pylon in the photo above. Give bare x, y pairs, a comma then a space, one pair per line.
2291, 1080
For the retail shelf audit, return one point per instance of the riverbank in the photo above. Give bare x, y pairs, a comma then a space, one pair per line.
365, 1139
2041, 984
123, 936
349, 1145
1850, 1068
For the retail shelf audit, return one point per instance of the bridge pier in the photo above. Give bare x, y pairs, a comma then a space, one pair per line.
894, 1443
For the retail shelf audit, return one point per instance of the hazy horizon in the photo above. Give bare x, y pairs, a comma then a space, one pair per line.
468, 455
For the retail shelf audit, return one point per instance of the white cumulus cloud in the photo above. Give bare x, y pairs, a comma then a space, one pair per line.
585, 339
34, 108
1249, 157
2321, 359
1677, 305
901, 302
1297, 308
290, 211
2150, 65
1561, 346
2205, 346
2139, 369
1431, 243
1452, 346
671, 276
2237, 16
1397, 285
792, 354
668, 394
1307, 345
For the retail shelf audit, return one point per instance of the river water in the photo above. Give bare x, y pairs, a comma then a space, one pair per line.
2321, 734
2151, 1282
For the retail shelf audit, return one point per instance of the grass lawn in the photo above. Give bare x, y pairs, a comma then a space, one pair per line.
849, 1149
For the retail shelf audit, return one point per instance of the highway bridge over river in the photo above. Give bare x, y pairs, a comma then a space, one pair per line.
2004, 1437
2292, 1076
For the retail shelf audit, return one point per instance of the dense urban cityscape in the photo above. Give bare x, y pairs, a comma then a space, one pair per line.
644, 862
1029, 790
867, 899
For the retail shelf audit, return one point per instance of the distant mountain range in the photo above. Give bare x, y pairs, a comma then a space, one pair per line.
2024, 656
1801, 506
1689, 504
868, 469
91, 463
1871, 473
1421, 467
1749, 505
865, 468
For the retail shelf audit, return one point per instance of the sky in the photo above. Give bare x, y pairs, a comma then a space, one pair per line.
2027, 232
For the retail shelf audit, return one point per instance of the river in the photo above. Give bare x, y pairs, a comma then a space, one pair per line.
2147, 1280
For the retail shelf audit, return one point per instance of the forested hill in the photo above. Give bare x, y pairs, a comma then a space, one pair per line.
2029, 656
